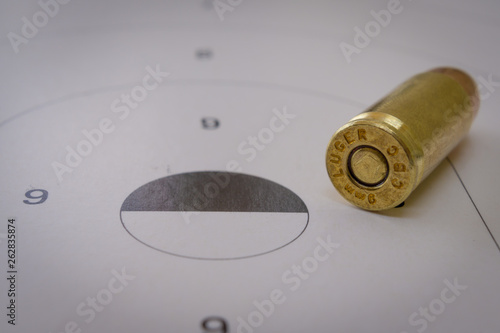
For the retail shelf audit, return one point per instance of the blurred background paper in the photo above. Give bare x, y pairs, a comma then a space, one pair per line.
101, 98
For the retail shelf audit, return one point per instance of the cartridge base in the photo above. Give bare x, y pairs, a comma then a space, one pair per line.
369, 163
380, 156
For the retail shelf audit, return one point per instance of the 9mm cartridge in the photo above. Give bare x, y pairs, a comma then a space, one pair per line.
379, 157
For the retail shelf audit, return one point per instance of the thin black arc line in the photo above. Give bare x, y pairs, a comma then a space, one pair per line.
269, 85
180, 82
473, 203
217, 259
61, 99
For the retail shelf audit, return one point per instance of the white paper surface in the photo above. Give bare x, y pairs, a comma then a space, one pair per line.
271, 84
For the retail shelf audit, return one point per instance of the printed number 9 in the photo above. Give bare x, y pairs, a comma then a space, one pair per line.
39, 196
214, 324
210, 123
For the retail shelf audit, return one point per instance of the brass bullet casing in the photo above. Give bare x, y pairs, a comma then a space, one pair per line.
380, 156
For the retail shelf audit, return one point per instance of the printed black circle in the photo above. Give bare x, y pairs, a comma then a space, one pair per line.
214, 215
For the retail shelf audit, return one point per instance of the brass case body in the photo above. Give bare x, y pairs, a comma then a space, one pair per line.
380, 156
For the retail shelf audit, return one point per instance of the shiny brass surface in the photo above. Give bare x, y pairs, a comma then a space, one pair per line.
380, 156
